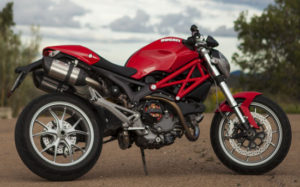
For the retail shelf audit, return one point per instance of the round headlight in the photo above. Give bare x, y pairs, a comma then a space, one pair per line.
221, 62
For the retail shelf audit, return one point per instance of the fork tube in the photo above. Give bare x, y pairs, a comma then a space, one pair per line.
230, 99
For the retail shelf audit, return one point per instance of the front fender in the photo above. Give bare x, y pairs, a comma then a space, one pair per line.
247, 99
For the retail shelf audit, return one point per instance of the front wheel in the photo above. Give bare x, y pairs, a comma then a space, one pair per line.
57, 137
260, 152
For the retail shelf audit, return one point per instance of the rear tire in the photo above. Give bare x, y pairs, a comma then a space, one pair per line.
40, 162
236, 162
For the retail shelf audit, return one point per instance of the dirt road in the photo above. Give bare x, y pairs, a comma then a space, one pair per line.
181, 164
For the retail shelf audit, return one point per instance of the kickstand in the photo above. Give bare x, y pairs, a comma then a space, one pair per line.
144, 161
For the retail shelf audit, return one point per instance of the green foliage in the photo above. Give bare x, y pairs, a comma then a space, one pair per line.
215, 98
270, 49
14, 53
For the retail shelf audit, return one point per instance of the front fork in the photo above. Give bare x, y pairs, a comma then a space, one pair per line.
233, 104
226, 91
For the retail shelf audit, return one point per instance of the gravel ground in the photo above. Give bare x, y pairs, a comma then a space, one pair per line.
182, 164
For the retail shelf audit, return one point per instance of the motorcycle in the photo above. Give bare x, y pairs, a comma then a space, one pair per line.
154, 99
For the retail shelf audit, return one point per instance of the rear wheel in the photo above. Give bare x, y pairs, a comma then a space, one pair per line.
57, 137
260, 152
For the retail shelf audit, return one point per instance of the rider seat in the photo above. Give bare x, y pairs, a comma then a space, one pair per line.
121, 70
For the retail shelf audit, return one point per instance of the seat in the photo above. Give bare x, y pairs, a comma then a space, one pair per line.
121, 70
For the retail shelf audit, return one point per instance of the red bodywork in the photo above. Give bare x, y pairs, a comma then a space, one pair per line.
82, 53
166, 54
248, 98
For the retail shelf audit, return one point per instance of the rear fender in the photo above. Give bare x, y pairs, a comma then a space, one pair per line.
247, 99
23, 71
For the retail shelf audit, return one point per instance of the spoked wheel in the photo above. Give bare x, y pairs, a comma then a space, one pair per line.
57, 137
261, 150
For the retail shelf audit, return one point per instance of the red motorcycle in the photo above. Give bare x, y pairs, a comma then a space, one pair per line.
157, 97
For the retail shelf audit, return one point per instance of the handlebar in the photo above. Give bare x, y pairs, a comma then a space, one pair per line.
190, 41
197, 40
195, 35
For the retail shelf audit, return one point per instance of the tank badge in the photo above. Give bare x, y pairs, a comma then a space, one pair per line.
170, 40
90, 55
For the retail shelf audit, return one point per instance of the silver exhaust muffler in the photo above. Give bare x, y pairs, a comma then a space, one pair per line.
67, 73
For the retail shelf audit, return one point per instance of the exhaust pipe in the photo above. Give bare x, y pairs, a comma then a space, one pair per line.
67, 73
48, 84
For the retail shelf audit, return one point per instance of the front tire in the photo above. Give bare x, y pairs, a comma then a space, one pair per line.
57, 137
258, 154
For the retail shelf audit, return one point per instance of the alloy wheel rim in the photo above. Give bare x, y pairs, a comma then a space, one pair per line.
60, 135
246, 160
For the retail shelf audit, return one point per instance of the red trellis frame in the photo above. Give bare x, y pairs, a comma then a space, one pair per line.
193, 65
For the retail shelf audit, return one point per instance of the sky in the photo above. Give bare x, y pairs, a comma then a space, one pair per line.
115, 29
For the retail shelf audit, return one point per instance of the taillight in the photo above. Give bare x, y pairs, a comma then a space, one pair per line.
47, 52
50, 52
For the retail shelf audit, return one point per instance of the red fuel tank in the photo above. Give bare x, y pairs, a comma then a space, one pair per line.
166, 54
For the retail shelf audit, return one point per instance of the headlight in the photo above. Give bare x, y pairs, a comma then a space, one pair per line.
222, 63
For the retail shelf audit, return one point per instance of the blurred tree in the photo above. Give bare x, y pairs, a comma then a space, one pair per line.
12, 54
270, 48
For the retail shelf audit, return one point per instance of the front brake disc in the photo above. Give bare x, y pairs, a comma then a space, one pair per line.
258, 148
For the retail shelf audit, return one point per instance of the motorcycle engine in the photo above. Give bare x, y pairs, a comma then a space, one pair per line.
161, 123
